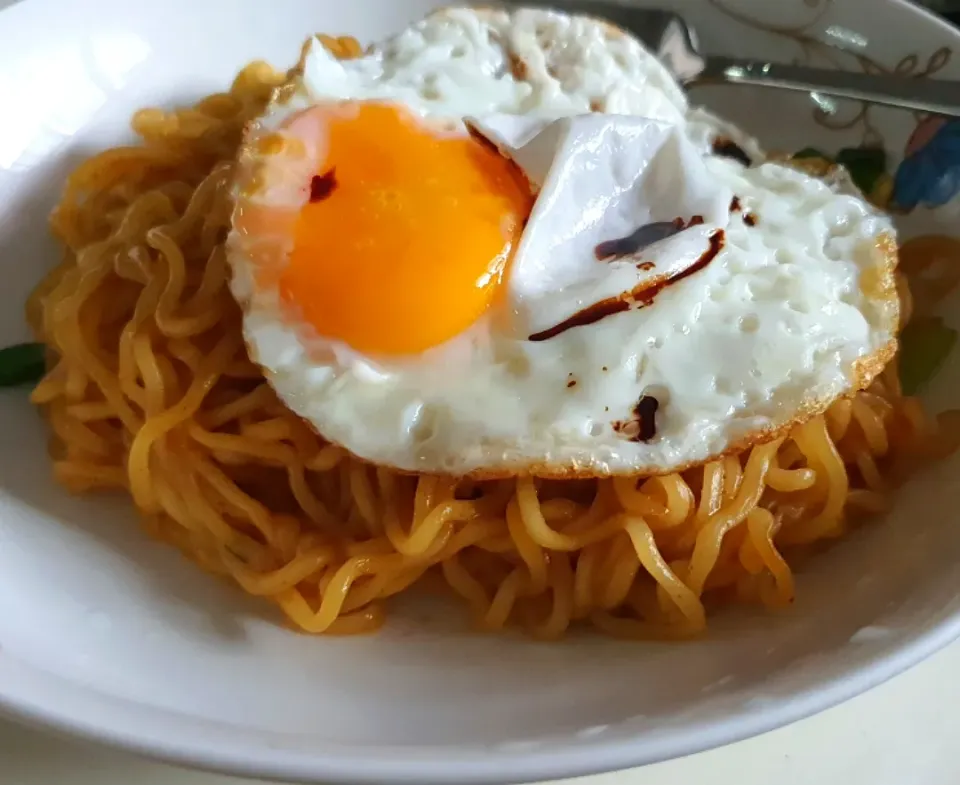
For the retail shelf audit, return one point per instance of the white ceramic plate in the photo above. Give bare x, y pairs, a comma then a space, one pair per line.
105, 634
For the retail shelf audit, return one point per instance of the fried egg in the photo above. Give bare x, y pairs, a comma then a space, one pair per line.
502, 243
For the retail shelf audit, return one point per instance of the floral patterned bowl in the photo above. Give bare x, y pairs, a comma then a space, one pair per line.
107, 635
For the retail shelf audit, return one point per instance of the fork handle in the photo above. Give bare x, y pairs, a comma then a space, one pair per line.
925, 95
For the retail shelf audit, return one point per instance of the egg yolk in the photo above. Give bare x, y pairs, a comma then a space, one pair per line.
408, 232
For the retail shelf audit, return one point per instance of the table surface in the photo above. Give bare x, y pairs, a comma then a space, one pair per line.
896, 734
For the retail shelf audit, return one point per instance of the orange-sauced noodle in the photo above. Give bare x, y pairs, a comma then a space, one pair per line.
150, 391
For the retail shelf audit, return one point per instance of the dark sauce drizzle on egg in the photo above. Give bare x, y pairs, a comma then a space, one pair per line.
736, 206
322, 185
639, 297
645, 236
727, 148
642, 426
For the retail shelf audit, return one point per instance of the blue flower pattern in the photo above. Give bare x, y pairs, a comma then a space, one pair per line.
929, 175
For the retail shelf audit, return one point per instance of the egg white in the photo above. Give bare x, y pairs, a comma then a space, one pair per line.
777, 326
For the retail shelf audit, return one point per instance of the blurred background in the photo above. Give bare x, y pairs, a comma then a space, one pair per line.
949, 8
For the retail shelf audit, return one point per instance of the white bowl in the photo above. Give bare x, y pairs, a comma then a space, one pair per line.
105, 634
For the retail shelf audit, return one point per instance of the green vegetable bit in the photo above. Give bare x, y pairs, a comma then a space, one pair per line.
866, 165
924, 347
23, 363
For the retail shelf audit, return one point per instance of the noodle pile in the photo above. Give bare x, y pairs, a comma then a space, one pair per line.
150, 391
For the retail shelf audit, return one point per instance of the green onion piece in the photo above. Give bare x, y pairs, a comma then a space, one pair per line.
812, 152
925, 345
23, 363
866, 165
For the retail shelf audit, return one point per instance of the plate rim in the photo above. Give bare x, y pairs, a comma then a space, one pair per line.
431, 765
